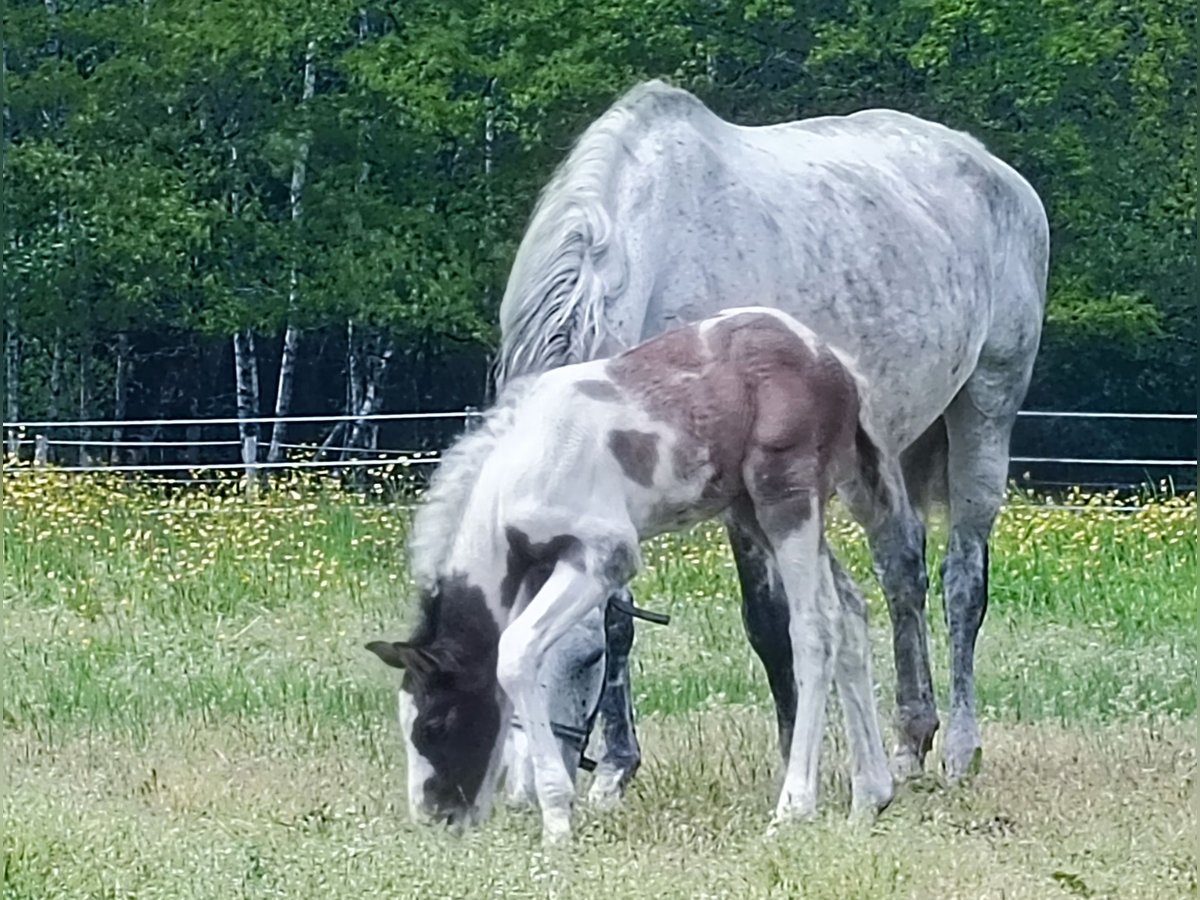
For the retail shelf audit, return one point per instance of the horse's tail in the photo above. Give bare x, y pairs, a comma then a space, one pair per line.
571, 260
567, 265
918, 482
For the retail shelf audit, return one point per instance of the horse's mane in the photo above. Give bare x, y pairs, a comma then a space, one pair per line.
570, 262
441, 511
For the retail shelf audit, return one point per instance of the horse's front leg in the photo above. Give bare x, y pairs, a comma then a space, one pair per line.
622, 755
568, 594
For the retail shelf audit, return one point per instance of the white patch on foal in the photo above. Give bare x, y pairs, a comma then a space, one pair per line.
419, 768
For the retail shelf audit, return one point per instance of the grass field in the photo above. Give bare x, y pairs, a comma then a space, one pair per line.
188, 712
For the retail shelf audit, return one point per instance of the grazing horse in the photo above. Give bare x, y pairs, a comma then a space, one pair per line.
535, 519
897, 239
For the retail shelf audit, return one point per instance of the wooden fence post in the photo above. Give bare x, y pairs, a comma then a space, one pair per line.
250, 461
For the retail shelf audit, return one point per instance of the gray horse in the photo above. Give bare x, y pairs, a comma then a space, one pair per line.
900, 240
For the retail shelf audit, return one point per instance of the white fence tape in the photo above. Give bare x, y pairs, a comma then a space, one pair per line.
462, 414
261, 420
426, 459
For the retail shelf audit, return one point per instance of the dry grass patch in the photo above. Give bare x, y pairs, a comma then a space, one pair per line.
255, 811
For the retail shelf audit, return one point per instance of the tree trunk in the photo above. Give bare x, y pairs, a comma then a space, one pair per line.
246, 369
372, 393
12, 375
352, 393
283, 394
353, 382
85, 400
489, 134
56, 376
291, 335
120, 395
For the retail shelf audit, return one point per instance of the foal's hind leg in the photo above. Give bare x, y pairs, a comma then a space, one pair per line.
790, 517
870, 781
566, 597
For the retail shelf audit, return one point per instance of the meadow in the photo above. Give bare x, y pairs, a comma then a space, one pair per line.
188, 711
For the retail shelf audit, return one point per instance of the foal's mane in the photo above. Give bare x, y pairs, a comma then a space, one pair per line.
440, 514
570, 261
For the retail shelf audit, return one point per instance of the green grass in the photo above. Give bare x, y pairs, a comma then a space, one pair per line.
188, 711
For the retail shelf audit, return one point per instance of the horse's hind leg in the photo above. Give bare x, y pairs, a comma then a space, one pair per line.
878, 500
622, 755
978, 472
870, 781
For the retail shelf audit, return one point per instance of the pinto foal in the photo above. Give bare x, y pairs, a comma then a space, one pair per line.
535, 519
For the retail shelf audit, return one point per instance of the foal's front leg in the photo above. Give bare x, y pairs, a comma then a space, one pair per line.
567, 596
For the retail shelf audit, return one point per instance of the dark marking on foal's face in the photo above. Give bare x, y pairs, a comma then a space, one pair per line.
531, 564
637, 452
450, 677
604, 391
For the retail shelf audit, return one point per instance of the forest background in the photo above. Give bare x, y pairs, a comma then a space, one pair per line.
325, 198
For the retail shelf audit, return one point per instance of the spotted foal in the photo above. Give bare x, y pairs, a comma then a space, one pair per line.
535, 519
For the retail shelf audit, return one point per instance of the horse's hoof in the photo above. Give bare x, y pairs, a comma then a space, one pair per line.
905, 766
607, 789
962, 756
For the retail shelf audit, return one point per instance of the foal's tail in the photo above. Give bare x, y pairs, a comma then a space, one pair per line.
877, 488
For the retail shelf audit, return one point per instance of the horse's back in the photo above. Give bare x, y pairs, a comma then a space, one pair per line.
881, 145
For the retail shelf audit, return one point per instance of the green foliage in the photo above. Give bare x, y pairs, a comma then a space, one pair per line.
153, 146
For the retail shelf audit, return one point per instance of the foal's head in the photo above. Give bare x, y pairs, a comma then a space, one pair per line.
450, 705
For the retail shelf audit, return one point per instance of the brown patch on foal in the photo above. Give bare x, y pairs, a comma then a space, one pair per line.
637, 452
771, 416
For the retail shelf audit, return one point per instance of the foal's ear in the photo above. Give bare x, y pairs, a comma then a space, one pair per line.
403, 655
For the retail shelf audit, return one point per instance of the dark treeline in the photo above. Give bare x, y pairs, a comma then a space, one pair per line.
311, 208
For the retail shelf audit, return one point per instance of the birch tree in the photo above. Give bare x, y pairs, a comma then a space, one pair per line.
291, 334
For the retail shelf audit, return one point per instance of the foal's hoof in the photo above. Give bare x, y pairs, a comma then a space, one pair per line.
792, 809
556, 832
